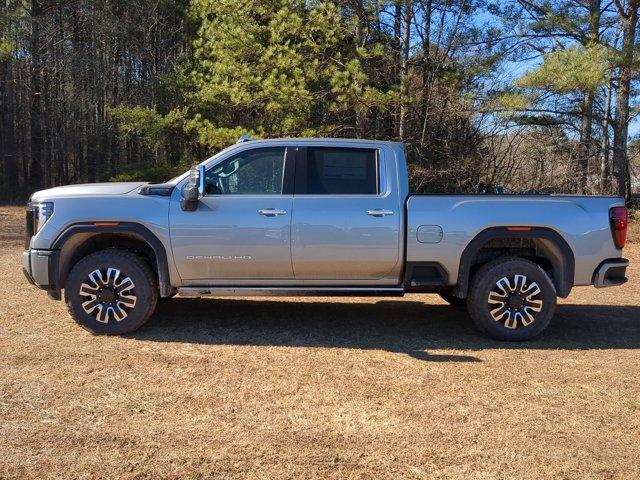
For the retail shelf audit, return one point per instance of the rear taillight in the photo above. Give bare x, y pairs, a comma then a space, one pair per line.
619, 221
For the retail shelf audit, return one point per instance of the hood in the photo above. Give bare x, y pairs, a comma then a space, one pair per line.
87, 189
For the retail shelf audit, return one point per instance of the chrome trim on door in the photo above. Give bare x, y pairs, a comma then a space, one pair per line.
271, 212
379, 212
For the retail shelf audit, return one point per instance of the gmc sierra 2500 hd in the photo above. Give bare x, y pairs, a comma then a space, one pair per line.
316, 217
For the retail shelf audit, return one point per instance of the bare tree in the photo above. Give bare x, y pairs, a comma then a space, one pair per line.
628, 17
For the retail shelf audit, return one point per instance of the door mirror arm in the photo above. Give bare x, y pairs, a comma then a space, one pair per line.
193, 190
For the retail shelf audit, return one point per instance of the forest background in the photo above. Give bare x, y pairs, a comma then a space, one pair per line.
527, 96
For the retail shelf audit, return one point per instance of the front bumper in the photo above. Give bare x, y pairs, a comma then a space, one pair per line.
611, 273
26, 266
41, 267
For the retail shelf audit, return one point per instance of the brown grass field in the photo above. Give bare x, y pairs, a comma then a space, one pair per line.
316, 388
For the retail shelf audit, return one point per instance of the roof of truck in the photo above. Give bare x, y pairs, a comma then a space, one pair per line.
321, 140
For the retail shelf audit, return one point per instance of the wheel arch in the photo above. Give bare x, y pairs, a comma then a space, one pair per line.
81, 239
551, 246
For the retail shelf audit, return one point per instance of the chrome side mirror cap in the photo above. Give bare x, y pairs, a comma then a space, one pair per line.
193, 190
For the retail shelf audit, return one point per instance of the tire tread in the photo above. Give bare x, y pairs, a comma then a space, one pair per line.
477, 305
107, 255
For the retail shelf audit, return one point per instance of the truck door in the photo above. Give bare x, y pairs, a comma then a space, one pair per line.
346, 223
242, 226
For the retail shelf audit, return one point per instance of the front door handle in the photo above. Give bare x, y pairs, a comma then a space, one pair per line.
379, 212
271, 212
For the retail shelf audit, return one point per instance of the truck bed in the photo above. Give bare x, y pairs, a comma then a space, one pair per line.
441, 226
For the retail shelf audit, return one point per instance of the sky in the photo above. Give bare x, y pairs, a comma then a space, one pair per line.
514, 70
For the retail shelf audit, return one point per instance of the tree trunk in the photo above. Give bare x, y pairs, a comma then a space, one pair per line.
587, 104
605, 171
585, 142
404, 67
36, 140
629, 21
8, 150
426, 70
360, 113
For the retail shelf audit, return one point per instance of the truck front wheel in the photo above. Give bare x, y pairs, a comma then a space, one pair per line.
511, 299
111, 292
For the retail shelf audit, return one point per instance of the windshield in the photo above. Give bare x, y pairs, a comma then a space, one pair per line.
176, 179
184, 175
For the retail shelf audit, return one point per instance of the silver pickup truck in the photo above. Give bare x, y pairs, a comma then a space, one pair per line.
316, 217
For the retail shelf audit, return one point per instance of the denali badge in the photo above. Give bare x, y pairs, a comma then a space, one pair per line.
219, 257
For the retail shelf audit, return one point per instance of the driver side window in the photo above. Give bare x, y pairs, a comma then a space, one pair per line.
253, 172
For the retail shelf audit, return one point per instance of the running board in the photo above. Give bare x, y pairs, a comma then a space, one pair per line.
291, 291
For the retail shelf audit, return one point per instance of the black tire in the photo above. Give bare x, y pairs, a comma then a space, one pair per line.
109, 295
451, 299
511, 303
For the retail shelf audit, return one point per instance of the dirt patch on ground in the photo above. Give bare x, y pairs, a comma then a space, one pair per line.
316, 388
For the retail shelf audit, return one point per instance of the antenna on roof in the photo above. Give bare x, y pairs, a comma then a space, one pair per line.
244, 138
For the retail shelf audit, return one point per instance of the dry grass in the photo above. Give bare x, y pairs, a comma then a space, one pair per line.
316, 388
634, 226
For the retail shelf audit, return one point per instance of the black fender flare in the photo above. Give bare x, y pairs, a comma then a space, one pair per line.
99, 227
555, 247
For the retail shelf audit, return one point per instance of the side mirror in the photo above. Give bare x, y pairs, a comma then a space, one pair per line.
193, 190
201, 175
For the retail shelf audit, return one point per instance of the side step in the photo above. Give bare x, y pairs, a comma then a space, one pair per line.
291, 291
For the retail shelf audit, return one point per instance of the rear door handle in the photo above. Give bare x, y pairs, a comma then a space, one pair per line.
271, 212
379, 212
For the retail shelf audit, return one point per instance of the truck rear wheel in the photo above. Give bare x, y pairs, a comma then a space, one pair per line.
111, 292
511, 299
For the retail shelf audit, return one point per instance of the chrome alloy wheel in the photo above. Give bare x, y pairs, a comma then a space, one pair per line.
108, 294
515, 301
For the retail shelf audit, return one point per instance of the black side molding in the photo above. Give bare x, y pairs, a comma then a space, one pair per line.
160, 189
425, 277
54, 274
118, 227
553, 245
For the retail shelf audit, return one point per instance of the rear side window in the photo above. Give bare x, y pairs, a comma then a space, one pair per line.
338, 171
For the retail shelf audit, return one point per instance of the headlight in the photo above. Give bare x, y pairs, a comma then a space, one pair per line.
41, 212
